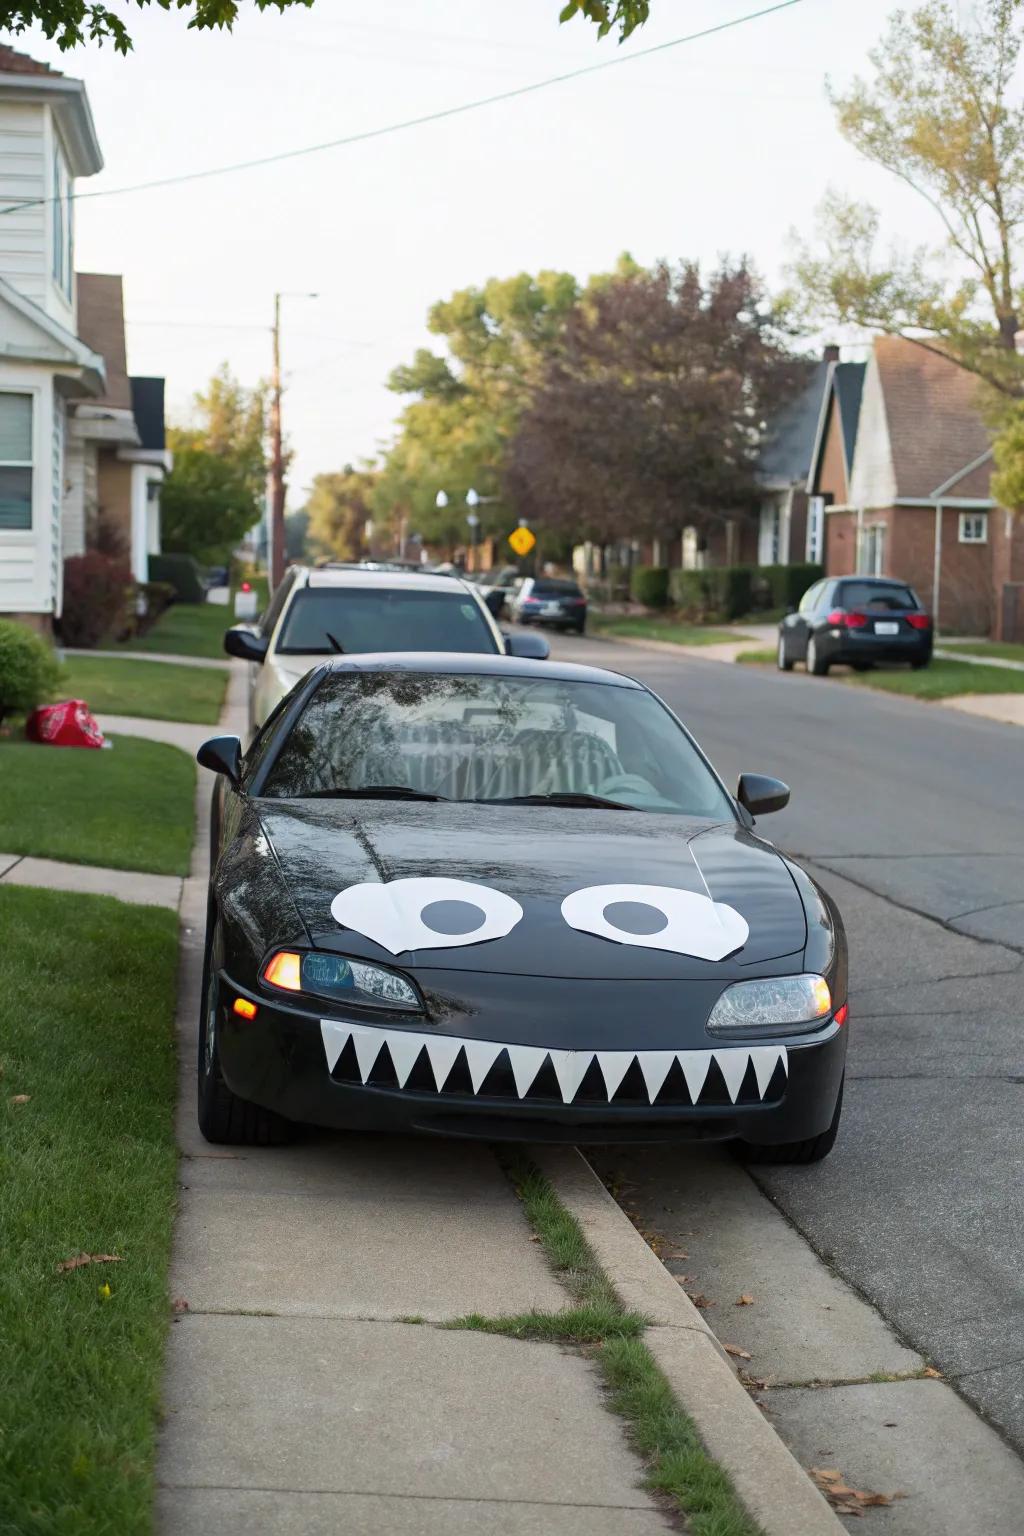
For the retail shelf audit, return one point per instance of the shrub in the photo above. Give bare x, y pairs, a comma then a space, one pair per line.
98, 598
184, 574
788, 583
720, 592
29, 673
157, 597
649, 585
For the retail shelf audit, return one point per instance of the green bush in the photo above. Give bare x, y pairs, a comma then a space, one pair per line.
649, 585
29, 673
184, 574
720, 593
785, 585
157, 598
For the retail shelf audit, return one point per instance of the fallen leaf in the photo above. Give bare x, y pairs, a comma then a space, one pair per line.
105, 1292
734, 1349
745, 1301
21, 1098
754, 1383
535, 1237
700, 1300
179, 1304
826, 1475
81, 1259
930, 1370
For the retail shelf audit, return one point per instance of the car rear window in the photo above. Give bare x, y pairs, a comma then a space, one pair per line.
548, 586
326, 621
873, 594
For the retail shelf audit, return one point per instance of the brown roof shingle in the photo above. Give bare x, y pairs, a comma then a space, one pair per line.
14, 63
101, 327
935, 423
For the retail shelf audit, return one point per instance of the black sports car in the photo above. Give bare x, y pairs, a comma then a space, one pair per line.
490, 897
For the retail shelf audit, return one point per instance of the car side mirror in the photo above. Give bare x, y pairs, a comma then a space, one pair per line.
246, 643
527, 647
760, 795
495, 601
222, 754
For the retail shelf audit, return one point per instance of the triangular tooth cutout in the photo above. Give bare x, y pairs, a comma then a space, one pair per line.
654, 1065
405, 1049
765, 1059
733, 1067
784, 1058
367, 1043
335, 1037
442, 1051
570, 1069
614, 1066
480, 1057
527, 1061
695, 1066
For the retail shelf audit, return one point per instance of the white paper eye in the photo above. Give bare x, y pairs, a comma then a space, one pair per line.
431, 913
658, 917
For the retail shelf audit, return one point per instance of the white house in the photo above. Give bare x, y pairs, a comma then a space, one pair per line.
47, 141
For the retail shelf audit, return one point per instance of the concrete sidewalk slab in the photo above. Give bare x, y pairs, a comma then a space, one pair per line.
891, 1432
362, 1408
173, 733
181, 661
91, 880
1006, 707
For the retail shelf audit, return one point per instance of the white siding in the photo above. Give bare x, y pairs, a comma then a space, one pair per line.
30, 558
24, 258
57, 437
873, 481
74, 496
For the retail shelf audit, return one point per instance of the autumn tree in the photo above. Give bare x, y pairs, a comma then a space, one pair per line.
214, 493
649, 417
339, 507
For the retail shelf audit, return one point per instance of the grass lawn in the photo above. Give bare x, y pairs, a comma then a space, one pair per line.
153, 690
129, 808
943, 680
87, 1165
765, 658
1001, 650
661, 629
187, 629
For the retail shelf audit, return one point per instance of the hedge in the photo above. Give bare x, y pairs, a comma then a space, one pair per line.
649, 585
720, 592
786, 584
29, 674
184, 574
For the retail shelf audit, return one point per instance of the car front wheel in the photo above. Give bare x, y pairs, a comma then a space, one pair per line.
810, 1151
815, 663
224, 1118
784, 661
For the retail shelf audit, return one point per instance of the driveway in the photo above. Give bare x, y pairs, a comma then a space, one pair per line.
913, 816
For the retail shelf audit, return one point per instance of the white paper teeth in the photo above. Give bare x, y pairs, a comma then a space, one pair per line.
571, 1067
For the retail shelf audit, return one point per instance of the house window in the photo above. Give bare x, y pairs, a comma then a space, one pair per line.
15, 461
973, 527
61, 265
769, 535
815, 529
872, 562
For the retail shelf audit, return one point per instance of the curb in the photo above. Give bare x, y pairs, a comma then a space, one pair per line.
772, 1486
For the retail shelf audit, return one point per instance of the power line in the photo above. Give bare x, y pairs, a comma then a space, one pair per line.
418, 122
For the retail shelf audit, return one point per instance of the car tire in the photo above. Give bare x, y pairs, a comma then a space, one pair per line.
810, 1151
817, 665
224, 1118
784, 660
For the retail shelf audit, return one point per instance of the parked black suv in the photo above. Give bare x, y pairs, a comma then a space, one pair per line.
859, 620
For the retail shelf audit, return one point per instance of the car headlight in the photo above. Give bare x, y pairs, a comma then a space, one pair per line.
774, 1003
339, 978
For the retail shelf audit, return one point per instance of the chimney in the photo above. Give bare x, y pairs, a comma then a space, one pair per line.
830, 354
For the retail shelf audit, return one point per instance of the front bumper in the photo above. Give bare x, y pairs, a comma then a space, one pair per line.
338, 1073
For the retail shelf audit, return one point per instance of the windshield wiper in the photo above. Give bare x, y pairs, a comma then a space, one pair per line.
561, 797
373, 792
336, 645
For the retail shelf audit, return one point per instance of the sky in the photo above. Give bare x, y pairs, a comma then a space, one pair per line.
722, 145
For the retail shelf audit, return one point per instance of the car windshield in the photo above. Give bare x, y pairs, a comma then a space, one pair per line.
872, 594
491, 738
323, 621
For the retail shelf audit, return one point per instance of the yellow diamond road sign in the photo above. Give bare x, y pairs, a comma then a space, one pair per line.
522, 540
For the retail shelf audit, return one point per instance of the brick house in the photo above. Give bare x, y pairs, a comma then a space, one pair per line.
901, 481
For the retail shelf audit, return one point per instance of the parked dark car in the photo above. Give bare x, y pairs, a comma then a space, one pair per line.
488, 897
550, 600
856, 620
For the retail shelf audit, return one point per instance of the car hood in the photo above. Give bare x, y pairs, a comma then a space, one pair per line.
538, 855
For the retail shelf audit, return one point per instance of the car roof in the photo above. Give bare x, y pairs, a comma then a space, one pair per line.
473, 664
405, 581
876, 581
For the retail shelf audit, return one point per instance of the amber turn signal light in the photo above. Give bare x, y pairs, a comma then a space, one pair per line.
244, 1008
284, 970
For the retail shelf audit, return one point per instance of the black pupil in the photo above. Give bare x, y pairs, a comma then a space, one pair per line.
453, 917
635, 917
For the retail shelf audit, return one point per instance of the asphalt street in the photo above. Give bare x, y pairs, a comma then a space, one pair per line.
913, 817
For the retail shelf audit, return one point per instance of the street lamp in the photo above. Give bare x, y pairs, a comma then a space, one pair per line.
473, 500
277, 485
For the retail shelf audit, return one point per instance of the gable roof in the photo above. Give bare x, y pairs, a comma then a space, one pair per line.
932, 408
101, 326
844, 388
788, 448
14, 63
29, 335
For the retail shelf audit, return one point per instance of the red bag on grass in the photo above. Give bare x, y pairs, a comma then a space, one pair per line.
68, 724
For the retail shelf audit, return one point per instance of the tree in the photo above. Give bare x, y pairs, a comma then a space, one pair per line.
214, 493
649, 418
942, 115
339, 507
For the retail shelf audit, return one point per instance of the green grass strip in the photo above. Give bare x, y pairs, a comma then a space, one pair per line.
87, 1165
677, 1463
150, 690
672, 630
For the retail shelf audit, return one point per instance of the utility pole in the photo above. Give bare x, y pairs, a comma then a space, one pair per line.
277, 487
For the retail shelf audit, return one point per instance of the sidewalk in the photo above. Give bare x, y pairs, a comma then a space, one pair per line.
179, 661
